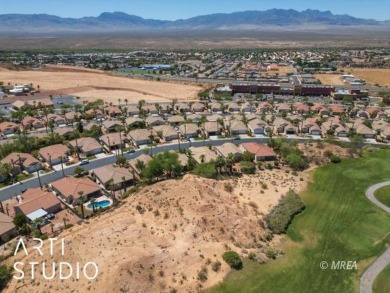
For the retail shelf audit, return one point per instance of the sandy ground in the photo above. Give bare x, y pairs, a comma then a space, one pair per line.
371, 75
186, 224
283, 70
93, 84
329, 79
315, 152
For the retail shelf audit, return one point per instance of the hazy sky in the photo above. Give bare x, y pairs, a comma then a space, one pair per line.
175, 9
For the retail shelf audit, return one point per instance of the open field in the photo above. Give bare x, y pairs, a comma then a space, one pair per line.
94, 84
283, 70
383, 195
330, 79
382, 282
339, 223
372, 76
262, 37
183, 224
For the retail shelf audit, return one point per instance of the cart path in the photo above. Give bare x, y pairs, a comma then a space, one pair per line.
369, 276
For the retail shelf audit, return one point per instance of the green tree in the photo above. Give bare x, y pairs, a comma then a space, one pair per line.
78, 171
166, 163
20, 220
121, 161
207, 170
248, 167
248, 156
5, 170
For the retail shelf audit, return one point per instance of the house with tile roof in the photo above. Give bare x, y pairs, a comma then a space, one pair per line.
69, 189
22, 162
114, 178
261, 152
53, 154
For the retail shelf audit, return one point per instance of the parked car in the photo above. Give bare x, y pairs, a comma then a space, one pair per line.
84, 162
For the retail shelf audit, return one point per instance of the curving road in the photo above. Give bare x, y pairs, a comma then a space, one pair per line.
369, 276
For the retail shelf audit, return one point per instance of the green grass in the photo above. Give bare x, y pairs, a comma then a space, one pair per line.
383, 195
382, 282
338, 224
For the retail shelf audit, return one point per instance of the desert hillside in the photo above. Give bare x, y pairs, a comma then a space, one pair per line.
162, 236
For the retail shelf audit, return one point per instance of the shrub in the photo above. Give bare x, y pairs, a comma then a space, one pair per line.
232, 259
216, 266
281, 215
252, 256
206, 170
328, 154
247, 167
270, 253
202, 274
335, 159
228, 187
5, 276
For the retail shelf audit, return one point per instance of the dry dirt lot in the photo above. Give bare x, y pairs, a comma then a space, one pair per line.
329, 79
94, 84
186, 224
371, 75
283, 70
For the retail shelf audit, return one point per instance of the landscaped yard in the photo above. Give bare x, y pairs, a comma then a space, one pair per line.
383, 195
338, 224
22, 177
382, 283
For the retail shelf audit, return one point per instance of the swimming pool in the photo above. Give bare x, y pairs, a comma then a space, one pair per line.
100, 204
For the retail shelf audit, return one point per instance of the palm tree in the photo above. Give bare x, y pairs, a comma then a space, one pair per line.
140, 104
220, 163
76, 135
119, 129
133, 173
202, 158
38, 222
81, 202
229, 162
140, 165
93, 202
64, 219
119, 100
126, 101
123, 183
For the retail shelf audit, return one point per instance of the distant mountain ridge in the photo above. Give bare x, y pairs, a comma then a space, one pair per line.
119, 21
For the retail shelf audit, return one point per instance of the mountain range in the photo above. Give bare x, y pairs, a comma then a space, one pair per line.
121, 22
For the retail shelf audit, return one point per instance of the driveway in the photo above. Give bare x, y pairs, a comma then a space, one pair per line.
369, 276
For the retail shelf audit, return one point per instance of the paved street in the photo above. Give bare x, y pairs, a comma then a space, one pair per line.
13, 190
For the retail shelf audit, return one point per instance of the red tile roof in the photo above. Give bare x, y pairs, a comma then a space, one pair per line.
259, 150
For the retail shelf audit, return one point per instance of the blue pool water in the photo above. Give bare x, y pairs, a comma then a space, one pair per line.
100, 204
